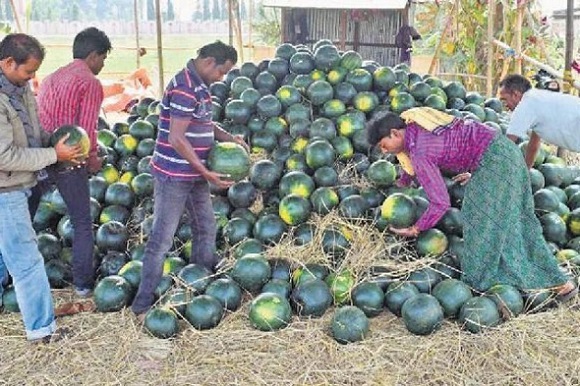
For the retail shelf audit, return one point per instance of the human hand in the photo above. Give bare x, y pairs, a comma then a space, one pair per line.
94, 163
406, 232
68, 153
462, 178
219, 180
401, 184
239, 139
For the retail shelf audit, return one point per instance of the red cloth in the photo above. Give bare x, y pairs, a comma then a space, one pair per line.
71, 95
458, 149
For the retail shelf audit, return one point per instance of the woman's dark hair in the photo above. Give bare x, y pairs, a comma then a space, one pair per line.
515, 82
381, 125
221, 52
90, 40
21, 47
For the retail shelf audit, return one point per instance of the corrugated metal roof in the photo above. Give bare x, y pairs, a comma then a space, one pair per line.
337, 4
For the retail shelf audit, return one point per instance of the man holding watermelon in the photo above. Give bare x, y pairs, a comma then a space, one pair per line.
73, 95
185, 136
540, 114
503, 238
22, 158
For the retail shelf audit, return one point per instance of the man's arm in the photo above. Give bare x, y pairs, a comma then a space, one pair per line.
532, 149
223, 136
88, 111
177, 129
16, 158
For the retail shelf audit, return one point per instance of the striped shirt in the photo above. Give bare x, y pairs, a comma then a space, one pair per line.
186, 97
458, 149
71, 95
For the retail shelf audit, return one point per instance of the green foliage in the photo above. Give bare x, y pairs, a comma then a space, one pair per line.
268, 25
464, 49
216, 12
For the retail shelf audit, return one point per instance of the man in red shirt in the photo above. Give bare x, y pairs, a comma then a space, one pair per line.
73, 95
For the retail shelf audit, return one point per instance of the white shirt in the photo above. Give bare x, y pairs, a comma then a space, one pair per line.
553, 116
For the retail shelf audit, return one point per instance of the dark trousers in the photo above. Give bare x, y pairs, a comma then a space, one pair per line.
73, 186
171, 198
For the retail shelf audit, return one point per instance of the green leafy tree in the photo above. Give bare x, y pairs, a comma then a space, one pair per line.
206, 11
197, 14
170, 11
224, 10
150, 10
216, 13
243, 10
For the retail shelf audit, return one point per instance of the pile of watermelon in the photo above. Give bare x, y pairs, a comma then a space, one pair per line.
303, 114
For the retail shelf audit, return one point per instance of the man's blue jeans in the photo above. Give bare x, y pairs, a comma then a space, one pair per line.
20, 257
171, 198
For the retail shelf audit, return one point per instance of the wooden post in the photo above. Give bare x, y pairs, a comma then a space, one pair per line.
250, 21
230, 26
343, 30
159, 47
569, 57
518, 37
137, 44
490, 48
567, 84
443, 36
16, 16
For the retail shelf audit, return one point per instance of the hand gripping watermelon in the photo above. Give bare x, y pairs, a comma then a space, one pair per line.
77, 136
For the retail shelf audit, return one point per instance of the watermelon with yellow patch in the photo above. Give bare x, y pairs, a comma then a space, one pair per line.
399, 210
230, 159
431, 242
76, 136
270, 311
294, 209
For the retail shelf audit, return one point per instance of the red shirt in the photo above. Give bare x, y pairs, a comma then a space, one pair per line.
71, 95
458, 149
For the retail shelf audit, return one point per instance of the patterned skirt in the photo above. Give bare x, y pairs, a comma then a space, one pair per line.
503, 238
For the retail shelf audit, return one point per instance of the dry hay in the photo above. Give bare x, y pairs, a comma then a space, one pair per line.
111, 349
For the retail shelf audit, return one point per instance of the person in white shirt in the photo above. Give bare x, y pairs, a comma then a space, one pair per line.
540, 115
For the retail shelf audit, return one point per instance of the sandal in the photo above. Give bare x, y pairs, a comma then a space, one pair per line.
59, 334
74, 308
567, 296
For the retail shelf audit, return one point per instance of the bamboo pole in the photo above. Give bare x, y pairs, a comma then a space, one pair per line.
343, 30
250, 27
550, 70
16, 16
159, 47
230, 25
518, 36
569, 57
136, 16
443, 36
490, 51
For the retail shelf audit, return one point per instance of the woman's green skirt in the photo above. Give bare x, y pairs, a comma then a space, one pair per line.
503, 238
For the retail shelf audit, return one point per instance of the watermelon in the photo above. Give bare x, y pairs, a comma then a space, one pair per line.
422, 314
479, 313
204, 312
269, 312
77, 136
161, 323
349, 324
230, 159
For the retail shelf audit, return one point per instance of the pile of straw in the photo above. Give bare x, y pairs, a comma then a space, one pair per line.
112, 349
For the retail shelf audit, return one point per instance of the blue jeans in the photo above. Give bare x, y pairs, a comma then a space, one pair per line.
171, 198
73, 186
19, 256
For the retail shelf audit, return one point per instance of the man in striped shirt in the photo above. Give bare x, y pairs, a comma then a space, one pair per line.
185, 136
73, 95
